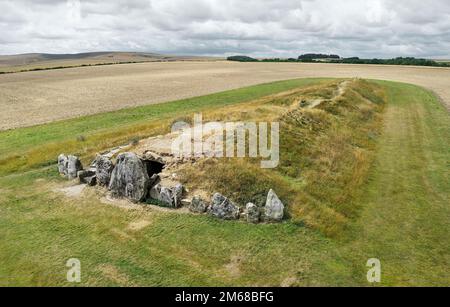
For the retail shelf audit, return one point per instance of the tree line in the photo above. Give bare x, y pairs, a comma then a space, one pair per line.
334, 58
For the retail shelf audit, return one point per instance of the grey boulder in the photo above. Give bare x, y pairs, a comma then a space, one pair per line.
165, 195
129, 178
274, 209
223, 208
73, 167
155, 191
104, 168
62, 164
169, 196
253, 213
177, 194
198, 205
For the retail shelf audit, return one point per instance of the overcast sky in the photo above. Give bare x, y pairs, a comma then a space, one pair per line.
284, 28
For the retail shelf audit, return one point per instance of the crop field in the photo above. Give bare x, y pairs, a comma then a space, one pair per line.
38, 61
40, 97
370, 180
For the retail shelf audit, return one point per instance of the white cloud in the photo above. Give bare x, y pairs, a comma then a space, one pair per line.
370, 28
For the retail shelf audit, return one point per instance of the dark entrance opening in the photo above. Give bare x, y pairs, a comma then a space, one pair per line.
153, 167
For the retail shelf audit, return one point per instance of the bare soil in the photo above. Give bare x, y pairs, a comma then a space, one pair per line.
38, 97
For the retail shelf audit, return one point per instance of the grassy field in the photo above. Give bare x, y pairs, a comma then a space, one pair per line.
403, 218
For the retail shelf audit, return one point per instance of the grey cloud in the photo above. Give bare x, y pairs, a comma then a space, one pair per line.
381, 28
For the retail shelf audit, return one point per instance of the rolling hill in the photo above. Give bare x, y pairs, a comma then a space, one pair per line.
41, 61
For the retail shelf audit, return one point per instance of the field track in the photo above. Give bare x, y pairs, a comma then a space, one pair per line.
32, 98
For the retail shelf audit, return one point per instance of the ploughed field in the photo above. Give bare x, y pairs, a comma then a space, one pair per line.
38, 97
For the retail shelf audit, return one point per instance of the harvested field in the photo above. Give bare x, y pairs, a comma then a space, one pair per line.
32, 98
42, 61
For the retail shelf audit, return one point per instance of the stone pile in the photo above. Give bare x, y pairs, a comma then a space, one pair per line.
128, 178
223, 208
138, 179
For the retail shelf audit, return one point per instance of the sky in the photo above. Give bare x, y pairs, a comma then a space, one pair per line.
262, 28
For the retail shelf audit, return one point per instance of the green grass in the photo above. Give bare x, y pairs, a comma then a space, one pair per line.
403, 221
406, 217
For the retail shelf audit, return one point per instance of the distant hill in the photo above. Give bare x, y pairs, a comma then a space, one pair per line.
318, 56
39, 61
241, 58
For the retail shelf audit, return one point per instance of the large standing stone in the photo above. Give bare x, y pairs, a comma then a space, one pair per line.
62, 164
274, 209
129, 178
104, 169
198, 205
253, 213
177, 193
73, 167
222, 208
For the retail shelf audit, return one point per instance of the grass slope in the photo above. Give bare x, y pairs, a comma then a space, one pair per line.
406, 218
403, 221
325, 153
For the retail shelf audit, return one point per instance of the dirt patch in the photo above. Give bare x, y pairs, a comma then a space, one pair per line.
127, 205
120, 203
122, 235
83, 191
289, 282
139, 225
72, 191
338, 93
233, 268
113, 274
